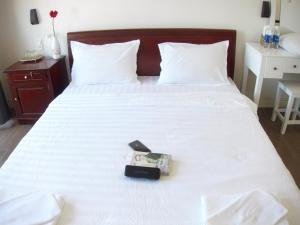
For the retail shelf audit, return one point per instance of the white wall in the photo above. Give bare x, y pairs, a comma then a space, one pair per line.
290, 15
2, 52
18, 35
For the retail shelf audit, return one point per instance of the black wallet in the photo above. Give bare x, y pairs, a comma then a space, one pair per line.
142, 172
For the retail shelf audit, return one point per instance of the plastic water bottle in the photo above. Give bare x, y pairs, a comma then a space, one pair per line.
276, 37
268, 36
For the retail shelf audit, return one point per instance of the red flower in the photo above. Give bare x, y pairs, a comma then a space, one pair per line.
53, 13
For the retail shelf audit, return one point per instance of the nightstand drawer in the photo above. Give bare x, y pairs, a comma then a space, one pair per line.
28, 76
293, 66
274, 68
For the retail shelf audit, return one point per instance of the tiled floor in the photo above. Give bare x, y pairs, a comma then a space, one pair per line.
287, 146
9, 138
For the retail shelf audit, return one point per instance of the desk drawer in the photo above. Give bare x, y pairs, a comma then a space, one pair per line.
274, 67
292, 66
28, 76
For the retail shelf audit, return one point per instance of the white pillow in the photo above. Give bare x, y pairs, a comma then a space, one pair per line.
109, 63
291, 42
184, 63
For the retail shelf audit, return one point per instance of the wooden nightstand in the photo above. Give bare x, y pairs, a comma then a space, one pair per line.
34, 85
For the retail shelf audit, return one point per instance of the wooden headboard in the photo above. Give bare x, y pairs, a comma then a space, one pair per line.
148, 59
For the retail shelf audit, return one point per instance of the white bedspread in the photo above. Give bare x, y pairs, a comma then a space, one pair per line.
78, 149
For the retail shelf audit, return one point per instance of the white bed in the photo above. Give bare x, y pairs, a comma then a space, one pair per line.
78, 149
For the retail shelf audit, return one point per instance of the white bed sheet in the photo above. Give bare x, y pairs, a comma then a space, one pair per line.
148, 84
78, 149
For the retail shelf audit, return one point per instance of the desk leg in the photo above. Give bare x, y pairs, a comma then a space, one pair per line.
276, 104
296, 112
245, 79
287, 114
257, 89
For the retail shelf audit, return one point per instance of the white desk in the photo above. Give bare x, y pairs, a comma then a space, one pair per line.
267, 63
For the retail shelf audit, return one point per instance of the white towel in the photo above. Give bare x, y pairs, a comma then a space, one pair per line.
29, 209
252, 208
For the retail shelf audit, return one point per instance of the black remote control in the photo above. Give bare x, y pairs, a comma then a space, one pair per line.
139, 146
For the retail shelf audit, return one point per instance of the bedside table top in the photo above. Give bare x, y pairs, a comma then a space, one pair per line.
280, 52
44, 64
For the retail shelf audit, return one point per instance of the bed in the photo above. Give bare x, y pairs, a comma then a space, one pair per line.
79, 147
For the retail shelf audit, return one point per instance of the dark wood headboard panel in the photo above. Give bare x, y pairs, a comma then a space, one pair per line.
148, 62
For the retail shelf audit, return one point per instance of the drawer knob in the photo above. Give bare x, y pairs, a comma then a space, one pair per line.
275, 68
295, 66
25, 77
15, 99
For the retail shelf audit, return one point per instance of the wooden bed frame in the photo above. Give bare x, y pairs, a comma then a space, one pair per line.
148, 59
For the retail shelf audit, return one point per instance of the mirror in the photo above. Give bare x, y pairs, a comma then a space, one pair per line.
288, 13
277, 12
276, 7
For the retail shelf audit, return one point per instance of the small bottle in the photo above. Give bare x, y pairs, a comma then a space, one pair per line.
261, 40
276, 37
268, 37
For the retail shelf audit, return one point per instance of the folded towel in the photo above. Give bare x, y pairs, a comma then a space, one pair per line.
253, 208
29, 209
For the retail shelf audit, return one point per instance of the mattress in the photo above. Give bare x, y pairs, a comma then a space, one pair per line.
79, 148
